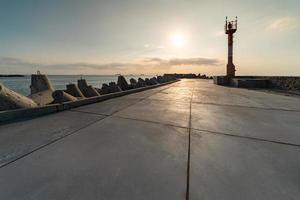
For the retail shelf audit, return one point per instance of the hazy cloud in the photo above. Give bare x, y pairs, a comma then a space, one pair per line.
154, 63
16, 62
285, 23
9, 61
184, 61
83, 65
153, 47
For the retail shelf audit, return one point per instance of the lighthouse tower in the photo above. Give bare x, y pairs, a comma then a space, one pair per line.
230, 29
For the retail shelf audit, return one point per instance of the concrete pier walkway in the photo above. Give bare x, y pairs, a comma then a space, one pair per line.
190, 139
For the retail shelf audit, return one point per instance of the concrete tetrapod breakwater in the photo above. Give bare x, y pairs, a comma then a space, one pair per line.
64, 101
73, 90
41, 89
13, 100
60, 96
87, 90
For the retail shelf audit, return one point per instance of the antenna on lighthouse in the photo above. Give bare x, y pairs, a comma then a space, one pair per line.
225, 27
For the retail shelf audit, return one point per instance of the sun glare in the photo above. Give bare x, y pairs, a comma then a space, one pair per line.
178, 40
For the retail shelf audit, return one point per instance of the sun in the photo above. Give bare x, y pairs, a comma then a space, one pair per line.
178, 40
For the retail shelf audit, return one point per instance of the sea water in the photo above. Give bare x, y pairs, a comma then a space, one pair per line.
59, 82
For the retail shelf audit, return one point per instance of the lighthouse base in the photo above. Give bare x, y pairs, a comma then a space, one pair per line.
249, 82
230, 70
221, 80
241, 82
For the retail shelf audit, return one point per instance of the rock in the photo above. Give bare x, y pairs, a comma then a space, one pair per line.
150, 81
111, 88
141, 82
122, 83
82, 83
105, 89
42, 98
73, 90
169, 77
40, 82
87, 90
160, 79
12, 100
41, 89
147, 81
99, 90
154, 80
134, 83
60, 96
114, 87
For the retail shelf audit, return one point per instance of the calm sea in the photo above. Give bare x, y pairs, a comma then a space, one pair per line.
59, 82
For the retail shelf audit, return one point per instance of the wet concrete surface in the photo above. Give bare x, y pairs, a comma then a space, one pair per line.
190, 139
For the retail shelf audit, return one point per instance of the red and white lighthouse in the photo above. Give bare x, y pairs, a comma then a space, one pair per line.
230, 29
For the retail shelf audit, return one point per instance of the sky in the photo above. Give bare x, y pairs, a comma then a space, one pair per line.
148, 36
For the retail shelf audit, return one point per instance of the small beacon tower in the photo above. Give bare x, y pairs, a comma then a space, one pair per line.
230, 29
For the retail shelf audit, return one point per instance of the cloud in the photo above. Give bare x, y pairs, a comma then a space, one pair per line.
83, 65
184, 61
9, 61
153, 47
285, 23
17, 62
16, 65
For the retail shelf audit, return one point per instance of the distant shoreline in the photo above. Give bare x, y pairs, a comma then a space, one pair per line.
11, 75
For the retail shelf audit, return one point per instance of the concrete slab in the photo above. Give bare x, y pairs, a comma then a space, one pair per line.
147, 93
209, 93
270, 100
111, 159
166, 112
206, 92
212, 96
107, 107
174, 93
224, 167
165, 96
182, 88
248, 151
20, 138
276, 125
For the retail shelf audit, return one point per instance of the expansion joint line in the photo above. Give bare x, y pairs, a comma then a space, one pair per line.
48, 143
189, 150
72, 132
140, 100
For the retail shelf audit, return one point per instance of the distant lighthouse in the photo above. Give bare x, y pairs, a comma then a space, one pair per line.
230, 29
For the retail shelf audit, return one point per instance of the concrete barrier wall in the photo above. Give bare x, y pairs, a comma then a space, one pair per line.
221, 80
289, 83
284, 82
279, 82
22, 114
249, 83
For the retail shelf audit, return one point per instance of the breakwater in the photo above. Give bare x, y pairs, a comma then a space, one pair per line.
22, 84
47, 100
